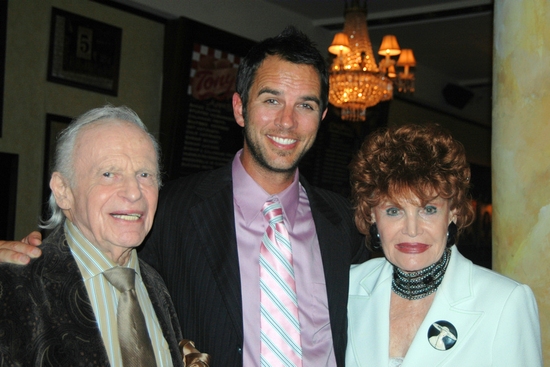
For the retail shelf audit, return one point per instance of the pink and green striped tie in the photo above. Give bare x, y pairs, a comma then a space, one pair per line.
280, 325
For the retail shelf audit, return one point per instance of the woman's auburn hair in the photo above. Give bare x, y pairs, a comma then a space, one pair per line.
401, 162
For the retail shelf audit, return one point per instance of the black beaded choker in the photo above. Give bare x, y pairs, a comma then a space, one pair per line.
421, 283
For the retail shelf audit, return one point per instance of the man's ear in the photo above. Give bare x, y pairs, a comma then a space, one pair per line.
62, 191
324, 114
238, 109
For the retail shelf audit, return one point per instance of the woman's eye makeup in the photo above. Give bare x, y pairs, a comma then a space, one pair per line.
392, 211
430, 209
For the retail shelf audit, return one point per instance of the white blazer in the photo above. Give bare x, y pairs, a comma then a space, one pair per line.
496, 319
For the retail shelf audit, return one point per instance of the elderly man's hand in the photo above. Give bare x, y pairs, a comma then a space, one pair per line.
16, 252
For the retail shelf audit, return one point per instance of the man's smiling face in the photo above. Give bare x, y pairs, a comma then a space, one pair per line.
283, 115
115, 192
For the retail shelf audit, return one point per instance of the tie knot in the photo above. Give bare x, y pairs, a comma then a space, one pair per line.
121, 278
273, 211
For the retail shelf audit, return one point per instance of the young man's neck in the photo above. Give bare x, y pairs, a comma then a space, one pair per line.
271, 181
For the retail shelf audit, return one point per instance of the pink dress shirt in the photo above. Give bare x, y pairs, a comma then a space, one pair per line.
316, 335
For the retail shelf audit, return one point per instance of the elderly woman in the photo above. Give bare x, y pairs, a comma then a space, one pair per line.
423, 303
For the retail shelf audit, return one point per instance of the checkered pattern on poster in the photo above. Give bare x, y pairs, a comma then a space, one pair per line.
205, 56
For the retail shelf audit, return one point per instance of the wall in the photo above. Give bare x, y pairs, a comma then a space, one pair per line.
28, 96
521, 164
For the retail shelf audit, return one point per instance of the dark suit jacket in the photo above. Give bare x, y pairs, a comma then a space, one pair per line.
193, 246
46, 318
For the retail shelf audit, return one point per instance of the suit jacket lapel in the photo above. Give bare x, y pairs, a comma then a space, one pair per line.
61, 273
335, 265
454, 290
334, 261
166, 315
215, 220
368, 342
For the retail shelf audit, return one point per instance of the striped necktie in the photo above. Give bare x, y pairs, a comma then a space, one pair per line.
280, 326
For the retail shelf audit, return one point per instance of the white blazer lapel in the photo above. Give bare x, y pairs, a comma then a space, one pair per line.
455, 289
368, 329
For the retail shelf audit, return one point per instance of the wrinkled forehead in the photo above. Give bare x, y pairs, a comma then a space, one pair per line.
105, 138
102, 131
108, 127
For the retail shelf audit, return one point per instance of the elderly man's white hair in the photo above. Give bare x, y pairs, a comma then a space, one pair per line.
63, 158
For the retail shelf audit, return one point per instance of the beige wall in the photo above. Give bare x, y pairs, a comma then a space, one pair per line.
521, 153
28, 96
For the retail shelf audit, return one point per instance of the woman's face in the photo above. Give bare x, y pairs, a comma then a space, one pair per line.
413, 236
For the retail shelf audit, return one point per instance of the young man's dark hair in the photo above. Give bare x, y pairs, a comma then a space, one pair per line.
291, 45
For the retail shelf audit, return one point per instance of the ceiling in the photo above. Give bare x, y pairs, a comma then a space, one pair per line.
451, 37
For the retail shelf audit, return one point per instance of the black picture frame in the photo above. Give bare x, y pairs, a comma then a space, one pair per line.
84, 53
3, 41
9, 164
55, 124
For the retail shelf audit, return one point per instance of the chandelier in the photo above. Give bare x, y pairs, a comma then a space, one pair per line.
356, 81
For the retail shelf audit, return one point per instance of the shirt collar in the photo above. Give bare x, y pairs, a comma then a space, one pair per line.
250, 197
91, 260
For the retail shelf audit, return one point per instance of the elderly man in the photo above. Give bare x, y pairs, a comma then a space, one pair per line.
71, 306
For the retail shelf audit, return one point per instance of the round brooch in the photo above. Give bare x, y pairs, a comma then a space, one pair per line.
442, 335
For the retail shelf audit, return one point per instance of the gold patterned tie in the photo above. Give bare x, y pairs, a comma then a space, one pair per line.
135, 344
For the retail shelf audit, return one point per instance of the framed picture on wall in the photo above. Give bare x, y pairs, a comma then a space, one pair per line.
84, 53
3, 31
54, 125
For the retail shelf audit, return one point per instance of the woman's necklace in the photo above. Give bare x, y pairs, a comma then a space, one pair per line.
421, 283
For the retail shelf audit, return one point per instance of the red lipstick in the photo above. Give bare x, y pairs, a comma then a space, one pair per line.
412, 248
